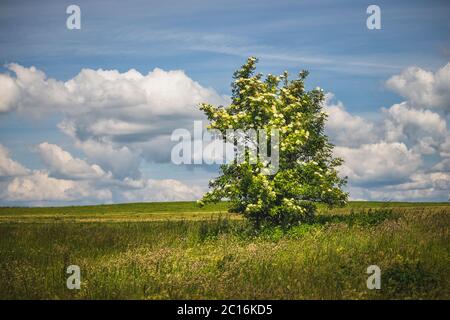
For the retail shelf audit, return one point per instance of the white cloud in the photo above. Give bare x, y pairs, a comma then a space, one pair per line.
423, 89
70, 179
9, 167
34, 92
63, 163
120, 160
9, 93
115, 119
113, 110
389, 165
158, 93
426, 146
403, 121
163, 190
345, 129
39, 186
113, 127
24, 185
421, 187
378, 163
384, 158
443, 165
444, 148
424, 128
119, 120
129, 93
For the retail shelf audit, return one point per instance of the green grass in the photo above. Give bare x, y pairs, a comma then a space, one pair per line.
118, 212
151, 211
180, 251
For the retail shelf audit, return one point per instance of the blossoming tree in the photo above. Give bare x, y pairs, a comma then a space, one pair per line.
307, 172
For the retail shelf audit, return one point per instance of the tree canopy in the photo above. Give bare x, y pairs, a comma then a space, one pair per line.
306, 170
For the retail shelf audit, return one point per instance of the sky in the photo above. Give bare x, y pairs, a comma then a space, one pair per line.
86, 114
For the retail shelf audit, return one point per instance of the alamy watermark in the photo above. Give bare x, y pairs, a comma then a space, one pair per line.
74, 20
374, 280
373, 21
74, 280
234, 145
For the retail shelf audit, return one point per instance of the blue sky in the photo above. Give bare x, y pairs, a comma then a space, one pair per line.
208, 40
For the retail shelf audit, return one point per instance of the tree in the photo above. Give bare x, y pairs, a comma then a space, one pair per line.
307, 172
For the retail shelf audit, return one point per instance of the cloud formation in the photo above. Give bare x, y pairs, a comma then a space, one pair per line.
39, 187
404, 154
69, 179
61, 162
121, 122
422, 88
9, 167
109, 114
346, 129
379, 163
158, 92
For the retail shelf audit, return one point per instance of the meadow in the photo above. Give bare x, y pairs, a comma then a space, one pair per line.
180, 251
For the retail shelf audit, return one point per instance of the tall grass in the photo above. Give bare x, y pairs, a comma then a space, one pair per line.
219, 258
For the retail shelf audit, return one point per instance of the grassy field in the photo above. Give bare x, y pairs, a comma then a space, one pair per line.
181, 251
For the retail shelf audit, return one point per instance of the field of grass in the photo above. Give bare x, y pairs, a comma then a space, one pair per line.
181, 251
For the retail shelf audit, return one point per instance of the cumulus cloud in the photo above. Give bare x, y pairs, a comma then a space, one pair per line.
424, 128
39, 186
119, 120
421, 187
128, 112
157, 93
405, 153
9, 167
70, 179
24, 185
63, 163
9, 93
163, 190
423, 89
120, 160
442, 166
378, 163
444, 148
345, 129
